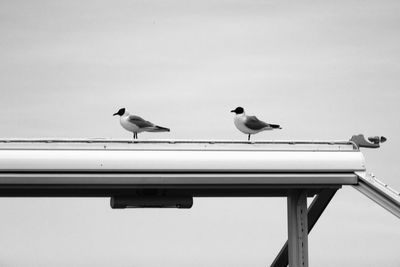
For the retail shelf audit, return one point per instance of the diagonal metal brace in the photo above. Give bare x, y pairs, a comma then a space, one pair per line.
315, 210
381, 193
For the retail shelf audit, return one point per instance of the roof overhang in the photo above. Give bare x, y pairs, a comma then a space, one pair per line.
197, 168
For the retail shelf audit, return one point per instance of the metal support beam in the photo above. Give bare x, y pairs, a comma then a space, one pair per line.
297, 228
315, 210
381, 193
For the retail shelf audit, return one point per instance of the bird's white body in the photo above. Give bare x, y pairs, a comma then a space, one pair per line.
131, 127
240, 120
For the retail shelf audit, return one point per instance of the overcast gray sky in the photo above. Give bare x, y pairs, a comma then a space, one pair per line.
321, 69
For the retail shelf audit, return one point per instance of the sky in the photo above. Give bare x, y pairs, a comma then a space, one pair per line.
323, 70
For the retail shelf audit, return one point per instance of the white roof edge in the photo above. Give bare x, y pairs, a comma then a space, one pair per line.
123, 144
180, 160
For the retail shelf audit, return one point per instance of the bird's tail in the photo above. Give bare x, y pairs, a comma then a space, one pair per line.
159, 129
275, 126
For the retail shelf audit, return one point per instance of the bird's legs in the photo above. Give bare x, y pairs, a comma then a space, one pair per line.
134, 135
248, 138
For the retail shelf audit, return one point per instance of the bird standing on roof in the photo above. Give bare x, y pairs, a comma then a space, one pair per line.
250, 124
136, 124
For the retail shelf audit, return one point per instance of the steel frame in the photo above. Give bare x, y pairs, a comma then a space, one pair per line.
315, 210
292, 169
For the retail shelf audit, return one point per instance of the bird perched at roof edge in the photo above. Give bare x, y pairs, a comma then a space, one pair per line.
251, 124
136, 124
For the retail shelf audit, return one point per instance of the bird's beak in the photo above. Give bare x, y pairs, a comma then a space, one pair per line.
115, 114
232, 110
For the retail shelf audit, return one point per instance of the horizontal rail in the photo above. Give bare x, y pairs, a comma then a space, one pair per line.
123, 144
169, 141
199, 190
178, 184
178, 178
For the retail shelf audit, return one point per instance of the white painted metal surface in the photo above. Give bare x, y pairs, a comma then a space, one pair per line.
379, 192
297, 228
295, 169
178, 156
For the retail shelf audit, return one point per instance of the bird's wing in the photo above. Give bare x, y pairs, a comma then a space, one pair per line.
141, 123
253, 123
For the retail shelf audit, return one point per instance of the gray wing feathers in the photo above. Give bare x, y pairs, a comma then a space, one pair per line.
253, 123
141, 123
150, 127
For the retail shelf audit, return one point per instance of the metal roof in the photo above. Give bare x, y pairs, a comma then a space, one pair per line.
169, 173
178, 156
101, 167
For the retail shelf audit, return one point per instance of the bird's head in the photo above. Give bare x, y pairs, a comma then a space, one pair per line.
120, 112
238, 110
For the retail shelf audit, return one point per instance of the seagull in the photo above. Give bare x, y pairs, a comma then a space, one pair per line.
136, 124
250, 124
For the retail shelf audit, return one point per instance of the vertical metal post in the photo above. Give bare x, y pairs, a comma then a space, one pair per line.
297, 228
315, 211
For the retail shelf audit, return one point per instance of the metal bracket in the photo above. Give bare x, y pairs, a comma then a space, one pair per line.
151, 201
374, 141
